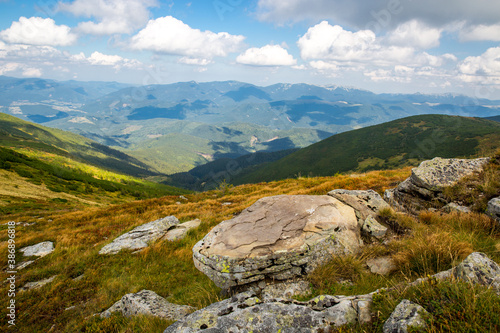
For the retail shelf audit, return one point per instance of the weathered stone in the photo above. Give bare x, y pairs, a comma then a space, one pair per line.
407, 314
478, 268
141, 237
286, 290
247, 313
147, 302
180, 230
39, 250
37, 284
381, 265
373, 228
423, 189
24, 264
494, 208
453, 207
277, 238
365, 203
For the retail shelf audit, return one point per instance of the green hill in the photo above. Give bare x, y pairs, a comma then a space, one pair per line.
397, 143
19, 134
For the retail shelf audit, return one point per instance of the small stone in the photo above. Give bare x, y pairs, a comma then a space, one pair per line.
227, 203
453, 207
373, 228
480, 269
381, 266
37, 284
407, 314
39, 250
494, 208
24, 264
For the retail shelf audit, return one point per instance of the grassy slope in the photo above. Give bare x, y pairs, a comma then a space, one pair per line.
397, 143
19, 134
436, 242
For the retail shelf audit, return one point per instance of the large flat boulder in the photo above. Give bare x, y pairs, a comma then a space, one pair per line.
38, 250
247, 313
141, 237
277, 238
423, 189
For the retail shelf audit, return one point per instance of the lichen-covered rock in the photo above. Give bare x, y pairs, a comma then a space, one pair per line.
147, 302
277, 238
142, 236
407, 314
423, 189
180, 230
286, 290
365, 203
373, 228
478, 268
494, 208
247, 313
39, 250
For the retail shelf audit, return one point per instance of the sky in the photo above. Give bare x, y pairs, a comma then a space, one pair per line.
392, 46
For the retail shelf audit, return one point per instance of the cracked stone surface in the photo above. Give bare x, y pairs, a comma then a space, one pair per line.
277, 238
423, 189
247, 313
494, 208
407, 314
39, 250
365, 203
141, 236
147, 302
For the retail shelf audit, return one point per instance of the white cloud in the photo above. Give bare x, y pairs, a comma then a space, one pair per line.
481, 32
195, 61
171, 36
482, 69
25, 69
9, 67
269, 55
415, 34
380, 14
113, 16
115, 61
38, 31
32, 72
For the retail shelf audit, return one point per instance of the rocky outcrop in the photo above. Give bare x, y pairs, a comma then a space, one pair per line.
247, 313
406, 315
494, 208
423, 189
479, 269
38, 250
180, 230
277, 238
141, 237
365, 203
147, 302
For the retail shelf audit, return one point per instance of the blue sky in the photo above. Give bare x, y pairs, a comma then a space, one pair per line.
404, 46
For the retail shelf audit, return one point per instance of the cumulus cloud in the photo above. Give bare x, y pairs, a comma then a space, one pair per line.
100, 59
195, 61
481, 32
169, 35
269, 55
482, 69
415, 34
380, 14
112, 16
38, 31
25, 69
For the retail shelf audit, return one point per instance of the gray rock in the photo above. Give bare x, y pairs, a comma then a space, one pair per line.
407, 314
24, 264
453, 207
423, 189
180, 230
382, 265
286, 290
39, 250
365, 203
247, 313
141, 237
373, 228
277, 238
37, 284
147, 302
480, 269
494, 208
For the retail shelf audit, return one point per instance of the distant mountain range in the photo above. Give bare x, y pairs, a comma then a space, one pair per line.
176, 127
